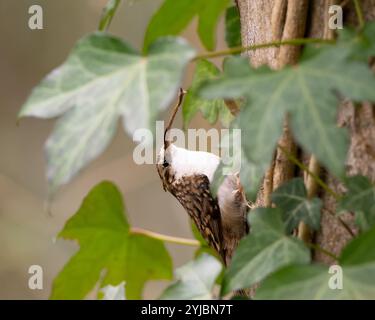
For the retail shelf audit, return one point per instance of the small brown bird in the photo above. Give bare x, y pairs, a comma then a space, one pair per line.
187, 175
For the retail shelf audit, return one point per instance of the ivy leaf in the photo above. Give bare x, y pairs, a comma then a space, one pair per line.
296, 282
360, 199
266, 249
103, 79
106, 243
291, 197
173, 16
232, 27
195, 280
211, 109
312, 282
306, 91
108, 13
361, 44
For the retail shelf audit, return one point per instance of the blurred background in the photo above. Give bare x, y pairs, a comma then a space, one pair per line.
27, 231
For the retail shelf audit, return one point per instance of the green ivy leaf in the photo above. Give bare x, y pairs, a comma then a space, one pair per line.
360, 199
266, 249
106, 243
211, 109
296, 282
312, 282
232, 27
291, 197
173, 16
361, 44
305, 91
195, 280
103, 79
108, 13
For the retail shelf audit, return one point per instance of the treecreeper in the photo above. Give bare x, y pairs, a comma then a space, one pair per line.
187, 175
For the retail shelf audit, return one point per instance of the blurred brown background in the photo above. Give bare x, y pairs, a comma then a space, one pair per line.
27, 232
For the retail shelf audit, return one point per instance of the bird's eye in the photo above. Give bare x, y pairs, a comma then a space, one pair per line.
165, 163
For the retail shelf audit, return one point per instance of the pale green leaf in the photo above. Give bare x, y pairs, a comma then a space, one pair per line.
106, 245
266, 249
306, 91
361, 44
102, 80
291, 197
195, 280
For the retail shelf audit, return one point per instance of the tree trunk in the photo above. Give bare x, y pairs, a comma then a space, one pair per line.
268, 20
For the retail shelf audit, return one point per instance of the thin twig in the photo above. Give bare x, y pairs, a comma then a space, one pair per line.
344, 3
166, 238
293, 28
107, 17
322, 250
291, 42
268, 185
305, 168
278, 19
342, 222
181, 94
358, 10
304, 231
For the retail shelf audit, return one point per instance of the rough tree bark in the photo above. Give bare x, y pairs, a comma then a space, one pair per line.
268, 20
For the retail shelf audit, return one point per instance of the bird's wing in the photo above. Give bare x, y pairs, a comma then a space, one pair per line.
194, 194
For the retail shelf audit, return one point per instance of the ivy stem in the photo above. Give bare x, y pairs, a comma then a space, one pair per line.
292, 42
166, 238
305, 168
342, 222
359, 12
322, 250
105, 21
